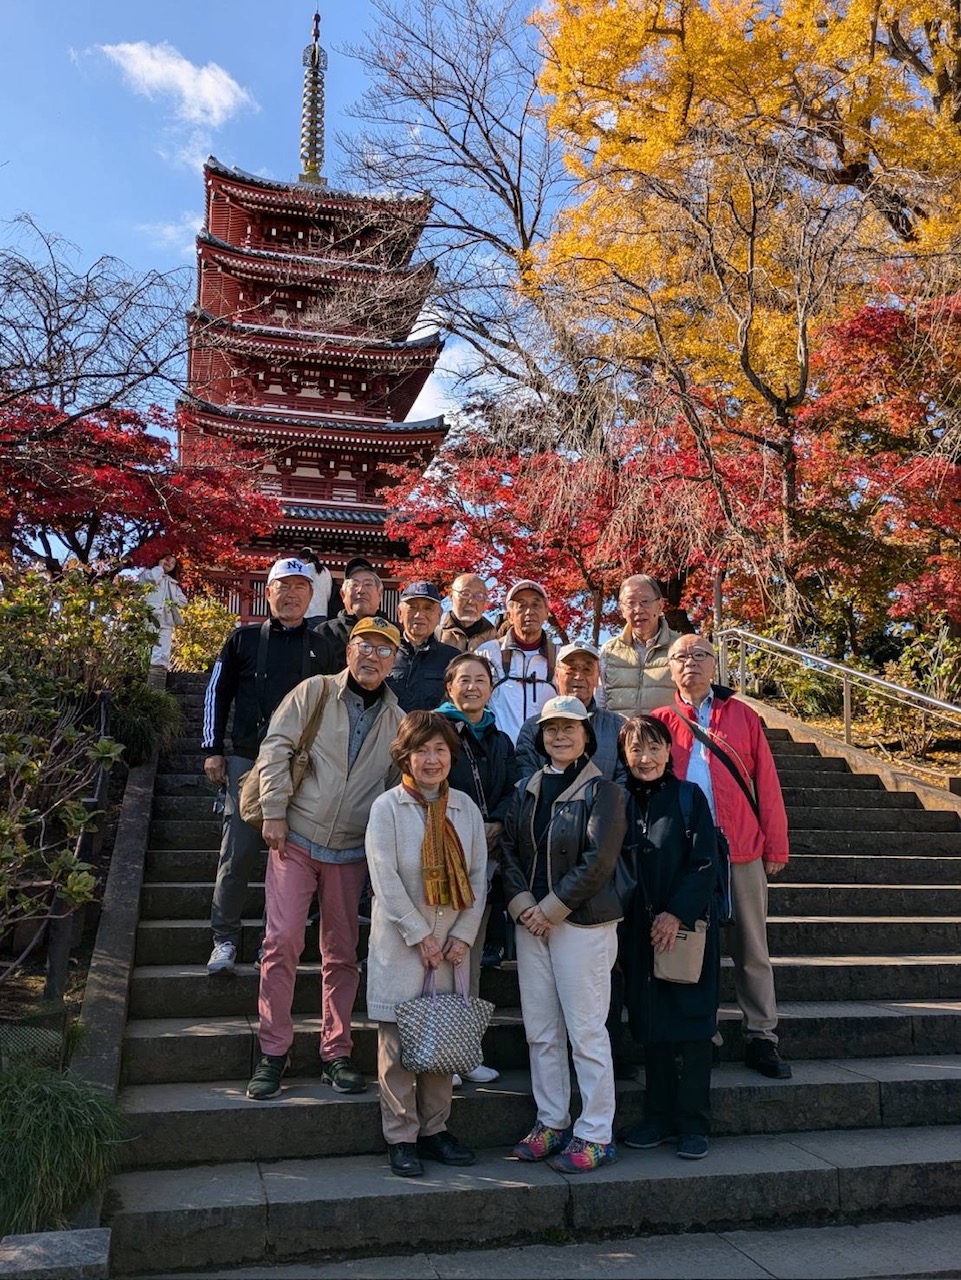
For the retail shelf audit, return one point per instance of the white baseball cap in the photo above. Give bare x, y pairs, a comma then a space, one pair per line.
290, 567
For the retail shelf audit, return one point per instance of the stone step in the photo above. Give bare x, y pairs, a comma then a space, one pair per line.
190, 761
837, 797
828, 777
185, 990
869, 820
198, 833
170, 1050
788, 747
776, 735
193, 787
166, 865
788, 899
804, 766
921, 843
214, 1121
879, 869
167, 942
228, 1214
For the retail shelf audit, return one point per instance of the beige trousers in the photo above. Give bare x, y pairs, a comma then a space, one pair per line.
411, 1105
753, 974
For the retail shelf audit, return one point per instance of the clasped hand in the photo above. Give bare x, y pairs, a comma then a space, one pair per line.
535, 922
454, 951
664, 932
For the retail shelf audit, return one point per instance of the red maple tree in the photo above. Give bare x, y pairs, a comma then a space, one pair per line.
106, 490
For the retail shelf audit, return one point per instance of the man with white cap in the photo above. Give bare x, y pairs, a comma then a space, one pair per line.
257, 667
576, 675
418, 675
523, 660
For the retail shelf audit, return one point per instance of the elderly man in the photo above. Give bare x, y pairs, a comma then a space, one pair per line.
418, 675
634, 670
523, 660
719, 743
576, 675
257, 667
361, 593
316, 841
466, 626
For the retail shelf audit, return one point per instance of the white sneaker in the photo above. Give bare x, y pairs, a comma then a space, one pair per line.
456, 1081
222, 958
482, 1074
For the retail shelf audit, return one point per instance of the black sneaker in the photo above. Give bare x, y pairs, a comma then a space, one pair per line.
646, 1136
445, 1148
762, 1055
692, 1146
342, 1075
265, 1082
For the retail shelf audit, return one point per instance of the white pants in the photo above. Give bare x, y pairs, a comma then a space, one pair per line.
160, 654
565, 983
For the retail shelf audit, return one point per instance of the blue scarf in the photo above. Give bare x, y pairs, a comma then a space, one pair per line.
478, 730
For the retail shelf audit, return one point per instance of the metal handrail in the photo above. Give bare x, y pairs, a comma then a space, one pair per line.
849, 676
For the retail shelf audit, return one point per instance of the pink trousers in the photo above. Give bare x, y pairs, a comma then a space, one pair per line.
291, 884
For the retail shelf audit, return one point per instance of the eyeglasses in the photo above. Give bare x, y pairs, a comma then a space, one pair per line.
365, 649
477, 597
633, 603
692, 655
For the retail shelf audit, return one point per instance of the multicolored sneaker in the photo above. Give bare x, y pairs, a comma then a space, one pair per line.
581, 1157
541, 1142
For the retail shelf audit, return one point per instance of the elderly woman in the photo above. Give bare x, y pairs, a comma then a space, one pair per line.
427, 858
670, 855
486, 769
562, 840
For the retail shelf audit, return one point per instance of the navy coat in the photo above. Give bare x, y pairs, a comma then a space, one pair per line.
679, 875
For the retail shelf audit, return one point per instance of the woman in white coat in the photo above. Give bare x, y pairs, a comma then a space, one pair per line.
427, 857
166, 599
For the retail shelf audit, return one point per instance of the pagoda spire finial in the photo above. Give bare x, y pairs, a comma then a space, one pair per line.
312, 111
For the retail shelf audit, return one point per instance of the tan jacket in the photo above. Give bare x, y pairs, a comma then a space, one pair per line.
452, 632
332, 805
629, 687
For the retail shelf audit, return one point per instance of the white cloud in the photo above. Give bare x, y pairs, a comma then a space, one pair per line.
177, 237
202, 99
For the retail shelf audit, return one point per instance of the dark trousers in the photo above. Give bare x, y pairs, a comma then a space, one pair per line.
678, 1092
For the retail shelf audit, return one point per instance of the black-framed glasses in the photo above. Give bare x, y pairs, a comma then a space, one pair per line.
366, 649
692, 655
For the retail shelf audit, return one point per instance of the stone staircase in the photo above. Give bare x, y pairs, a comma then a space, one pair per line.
866, 933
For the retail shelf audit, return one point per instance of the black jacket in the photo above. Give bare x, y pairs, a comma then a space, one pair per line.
677, 874
489, 761
418, 674
333, 635
584, 842
233, 682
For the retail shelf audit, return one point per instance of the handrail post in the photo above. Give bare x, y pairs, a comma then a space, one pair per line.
742, 668
722, 659
846, 685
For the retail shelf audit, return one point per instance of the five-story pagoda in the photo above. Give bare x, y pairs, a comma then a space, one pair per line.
300, 345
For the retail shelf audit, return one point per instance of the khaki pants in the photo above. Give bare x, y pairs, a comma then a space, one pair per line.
753, 974
411, 1105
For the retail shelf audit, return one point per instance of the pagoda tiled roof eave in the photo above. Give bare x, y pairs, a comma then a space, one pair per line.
268, 260
313, 194
253, 337
427, 429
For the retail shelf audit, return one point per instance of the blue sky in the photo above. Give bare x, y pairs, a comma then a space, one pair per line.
110, 107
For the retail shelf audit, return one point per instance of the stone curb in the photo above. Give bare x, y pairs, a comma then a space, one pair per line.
84, 1253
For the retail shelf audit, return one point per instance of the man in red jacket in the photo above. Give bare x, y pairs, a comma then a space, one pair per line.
745, 798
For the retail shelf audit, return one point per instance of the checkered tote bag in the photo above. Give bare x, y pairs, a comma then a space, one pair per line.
442, 1033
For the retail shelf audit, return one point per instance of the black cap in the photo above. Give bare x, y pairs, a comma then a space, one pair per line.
358, 562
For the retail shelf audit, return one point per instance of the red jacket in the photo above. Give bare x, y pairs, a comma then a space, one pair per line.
740, 732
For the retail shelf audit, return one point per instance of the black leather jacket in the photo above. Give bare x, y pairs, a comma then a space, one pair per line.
584, 841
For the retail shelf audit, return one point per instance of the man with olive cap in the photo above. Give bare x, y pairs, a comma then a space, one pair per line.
316, 841
257, 667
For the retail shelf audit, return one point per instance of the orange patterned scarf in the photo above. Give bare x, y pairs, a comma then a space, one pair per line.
442, 858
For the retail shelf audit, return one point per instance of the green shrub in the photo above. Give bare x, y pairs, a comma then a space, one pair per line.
60, 1139
206, 624
143, 718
